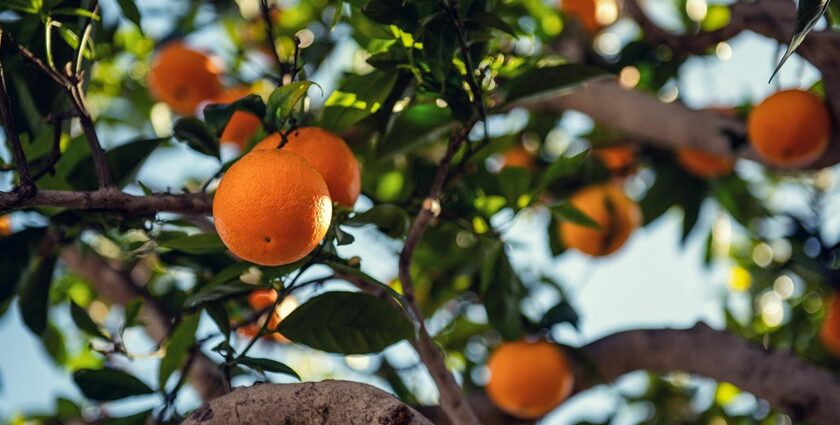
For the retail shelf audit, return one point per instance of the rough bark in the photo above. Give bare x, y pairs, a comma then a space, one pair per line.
109, 200
310, 403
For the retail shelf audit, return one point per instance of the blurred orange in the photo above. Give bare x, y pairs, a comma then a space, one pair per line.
620, 160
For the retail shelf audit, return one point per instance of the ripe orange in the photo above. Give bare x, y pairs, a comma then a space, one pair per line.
262, 299
790, 129
592, 14
528, 379
518, 156
330, 155
5, 225
620, 160
242, 125
183, 78
830, 330
272, 207
704, 165
608, 206
281, 312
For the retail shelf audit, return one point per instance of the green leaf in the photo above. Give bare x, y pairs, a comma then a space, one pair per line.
388, 219
216, 310
53, 341
109, 384
75, 11
282, 103
199, 243
416, 126
808, 15
562, 312
25, 6
141, 418
132, 312
514, 182
217, 115
358, 97
217, 291
130, 11
492, 20
267, 365
180, 342
347, 323
197, 135
34, 294
84, 322
567, 212
15, 253
123, 161
501, 291
562, 167
389, 12
540, 82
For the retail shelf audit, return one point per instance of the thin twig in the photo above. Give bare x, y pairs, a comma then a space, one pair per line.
265, 10
27, 187
80, 55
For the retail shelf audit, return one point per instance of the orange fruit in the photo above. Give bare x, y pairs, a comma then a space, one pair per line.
528, 379
330, 155
830, 330
704, 165
272, 207
5, 225
790, 129
592, 14
616, 214
242, 125
518, 156
182, 78
620, 160
262, 299
281, 312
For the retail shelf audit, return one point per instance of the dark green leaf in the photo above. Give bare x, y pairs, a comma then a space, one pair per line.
123, 162
130, 11
347, 323
53, 341
109, 384
514, 182
492, 20
414, 127
539, 82
15, 253
216, 310
217, 291
34, 294
177, 348
282, 103
84, 322
501, 291
268, 365
197, 135
808, 15
562, 312
132, 311
562, 167
567, 212
141, 418
217, 115
388, 219
199, 243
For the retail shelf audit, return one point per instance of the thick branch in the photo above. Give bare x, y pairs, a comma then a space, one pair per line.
109, 200
333, 402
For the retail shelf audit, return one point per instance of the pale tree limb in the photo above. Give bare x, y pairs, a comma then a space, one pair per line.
325, 402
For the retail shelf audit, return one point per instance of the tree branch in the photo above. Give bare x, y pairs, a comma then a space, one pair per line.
109, 200
335, 402
452, 399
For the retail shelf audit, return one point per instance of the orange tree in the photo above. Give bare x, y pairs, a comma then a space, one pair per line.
256, 252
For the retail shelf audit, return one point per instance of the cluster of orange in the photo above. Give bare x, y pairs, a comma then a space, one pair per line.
274, 205
185, 79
